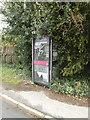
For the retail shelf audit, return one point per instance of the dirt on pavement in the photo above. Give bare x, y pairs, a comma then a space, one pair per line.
26, 86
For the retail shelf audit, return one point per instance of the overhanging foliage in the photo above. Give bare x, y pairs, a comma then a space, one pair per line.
66, 23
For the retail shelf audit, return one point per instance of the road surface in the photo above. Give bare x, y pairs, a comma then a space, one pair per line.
8, 110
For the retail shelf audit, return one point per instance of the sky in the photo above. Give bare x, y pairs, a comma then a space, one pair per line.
2, 24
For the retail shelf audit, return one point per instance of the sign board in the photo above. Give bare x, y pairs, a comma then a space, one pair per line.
41, 60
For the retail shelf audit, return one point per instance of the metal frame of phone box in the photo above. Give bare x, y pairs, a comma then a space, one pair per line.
50, 64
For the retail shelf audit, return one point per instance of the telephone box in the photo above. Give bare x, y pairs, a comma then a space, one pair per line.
42, 60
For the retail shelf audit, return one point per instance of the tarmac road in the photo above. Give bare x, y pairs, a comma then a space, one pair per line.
8, 110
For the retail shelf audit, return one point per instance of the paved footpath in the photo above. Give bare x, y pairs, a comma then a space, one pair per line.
39, 101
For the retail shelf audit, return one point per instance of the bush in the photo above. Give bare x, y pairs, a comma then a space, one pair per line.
67, 24
71, 85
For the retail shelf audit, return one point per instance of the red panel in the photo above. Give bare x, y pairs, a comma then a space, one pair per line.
40, 62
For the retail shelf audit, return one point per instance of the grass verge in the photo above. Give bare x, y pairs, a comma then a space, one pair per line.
9, 75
